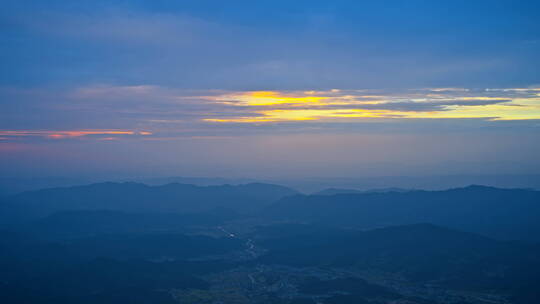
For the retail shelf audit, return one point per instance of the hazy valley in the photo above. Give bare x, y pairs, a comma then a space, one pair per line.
261, 243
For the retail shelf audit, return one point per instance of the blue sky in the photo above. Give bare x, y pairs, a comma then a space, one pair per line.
268, 88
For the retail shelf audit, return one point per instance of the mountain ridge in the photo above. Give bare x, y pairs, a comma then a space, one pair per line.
500, 213
138, 197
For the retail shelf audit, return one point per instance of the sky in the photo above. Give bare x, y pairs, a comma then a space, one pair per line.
269, 88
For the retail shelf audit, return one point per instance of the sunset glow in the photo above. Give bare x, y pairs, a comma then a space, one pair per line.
214, 88
65, 134
269, 98
335, 105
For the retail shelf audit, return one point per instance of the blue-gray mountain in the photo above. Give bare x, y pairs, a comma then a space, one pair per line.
136, 197
133, 243
510, 214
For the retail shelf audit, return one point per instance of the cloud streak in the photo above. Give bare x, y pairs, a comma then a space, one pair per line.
101, 134
163, 112
275, 106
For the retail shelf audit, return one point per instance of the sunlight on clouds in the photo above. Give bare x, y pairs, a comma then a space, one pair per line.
267, 98
518, 110
298, 115
447, 103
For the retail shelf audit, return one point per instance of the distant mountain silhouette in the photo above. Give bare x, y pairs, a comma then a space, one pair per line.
391, 189
199, 181
135, 197
501, 213
332, 191
11, 186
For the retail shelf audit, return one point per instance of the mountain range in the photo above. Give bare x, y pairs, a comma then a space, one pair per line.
500, 213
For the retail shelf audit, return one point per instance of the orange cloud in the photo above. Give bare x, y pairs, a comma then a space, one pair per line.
66, 134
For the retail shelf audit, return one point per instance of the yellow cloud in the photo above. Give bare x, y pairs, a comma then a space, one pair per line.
273, 106
267, 98
299, 115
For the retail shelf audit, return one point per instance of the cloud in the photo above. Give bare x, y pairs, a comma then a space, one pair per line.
119, 26
49, 134
349, 104
97, 111
230, 49
411, 106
